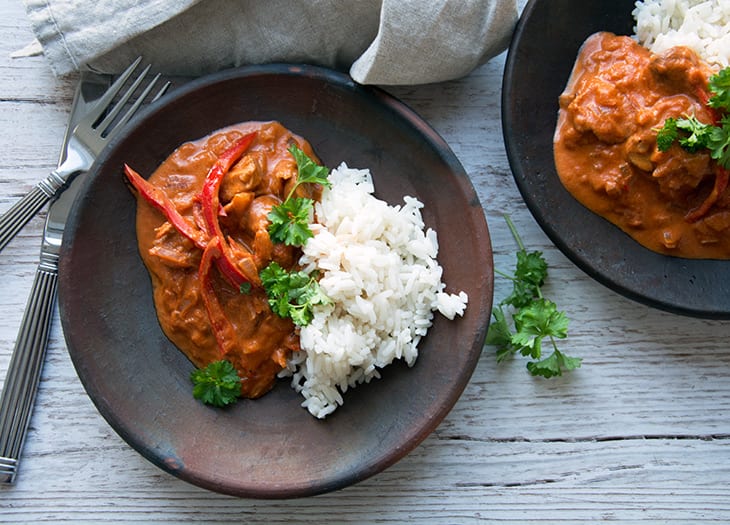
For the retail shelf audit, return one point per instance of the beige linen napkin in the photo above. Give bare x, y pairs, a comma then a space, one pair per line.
387, 42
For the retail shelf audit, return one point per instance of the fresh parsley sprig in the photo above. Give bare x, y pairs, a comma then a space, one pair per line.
693, 135
719, 85
289, 221
534, 318
217, 384
292, 294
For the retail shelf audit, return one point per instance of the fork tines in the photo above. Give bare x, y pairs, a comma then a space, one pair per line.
107, 113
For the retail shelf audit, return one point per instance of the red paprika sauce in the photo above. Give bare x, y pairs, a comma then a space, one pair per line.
618, 96
201, 306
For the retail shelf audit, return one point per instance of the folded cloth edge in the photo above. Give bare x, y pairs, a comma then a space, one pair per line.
476, 31
75, 32
388, 42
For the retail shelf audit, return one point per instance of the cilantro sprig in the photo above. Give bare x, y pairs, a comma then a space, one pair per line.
289, 221
534, 319
217, 384
292, 294
693, 135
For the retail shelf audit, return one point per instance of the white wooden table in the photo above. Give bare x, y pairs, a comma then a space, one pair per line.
641, 433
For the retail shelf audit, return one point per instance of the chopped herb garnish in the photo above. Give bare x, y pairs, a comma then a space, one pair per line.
693, 135
292, 294
535, 319
217, 384
290, 220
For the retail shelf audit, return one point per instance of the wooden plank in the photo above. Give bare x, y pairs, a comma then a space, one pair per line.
623, 480
638, 434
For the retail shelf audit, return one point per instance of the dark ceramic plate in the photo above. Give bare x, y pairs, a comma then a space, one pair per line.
271, 447
541, 56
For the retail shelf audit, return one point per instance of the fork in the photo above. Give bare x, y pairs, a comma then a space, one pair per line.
89, 137
23, 374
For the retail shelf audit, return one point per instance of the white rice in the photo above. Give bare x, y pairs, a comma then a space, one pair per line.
701, 25
379, 268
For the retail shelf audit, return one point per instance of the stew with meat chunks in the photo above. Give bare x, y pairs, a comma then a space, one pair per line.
605, 146
203, 237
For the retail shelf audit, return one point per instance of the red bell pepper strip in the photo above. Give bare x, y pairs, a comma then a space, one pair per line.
157, 198
210, 202
704, 96
222, 327
209, 197
722, 177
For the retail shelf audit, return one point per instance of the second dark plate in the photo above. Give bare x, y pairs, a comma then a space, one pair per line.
541, 56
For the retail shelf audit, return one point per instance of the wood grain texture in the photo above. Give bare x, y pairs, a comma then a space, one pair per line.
640, 434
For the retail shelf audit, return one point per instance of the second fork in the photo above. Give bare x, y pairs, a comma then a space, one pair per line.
86, 142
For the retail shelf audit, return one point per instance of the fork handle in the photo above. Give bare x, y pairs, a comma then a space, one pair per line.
22, 211
21, 382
